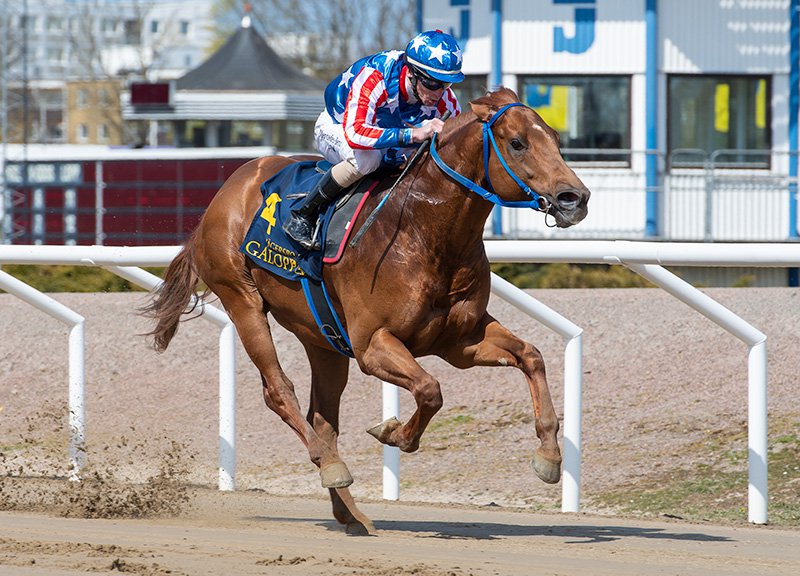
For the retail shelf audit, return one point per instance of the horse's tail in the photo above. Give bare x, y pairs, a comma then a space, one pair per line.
169, 301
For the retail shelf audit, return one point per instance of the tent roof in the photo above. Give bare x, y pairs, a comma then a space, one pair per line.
246, 62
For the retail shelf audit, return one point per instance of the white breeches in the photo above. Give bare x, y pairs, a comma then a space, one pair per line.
331, 143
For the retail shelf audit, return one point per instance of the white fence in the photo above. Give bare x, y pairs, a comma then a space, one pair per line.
643, 258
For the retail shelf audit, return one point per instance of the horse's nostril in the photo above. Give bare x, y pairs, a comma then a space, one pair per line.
568, 199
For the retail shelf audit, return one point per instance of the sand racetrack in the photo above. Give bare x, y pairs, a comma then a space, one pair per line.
659, 381
245, 533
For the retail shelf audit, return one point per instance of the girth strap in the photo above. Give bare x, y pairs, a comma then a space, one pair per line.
325, 316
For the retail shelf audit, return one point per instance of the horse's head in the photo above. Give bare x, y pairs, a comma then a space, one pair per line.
516, 136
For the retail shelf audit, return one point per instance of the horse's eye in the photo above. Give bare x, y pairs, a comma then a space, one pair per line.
517, 145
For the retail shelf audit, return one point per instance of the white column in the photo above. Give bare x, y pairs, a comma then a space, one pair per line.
227, 407
212, 134
391, 454
152, 133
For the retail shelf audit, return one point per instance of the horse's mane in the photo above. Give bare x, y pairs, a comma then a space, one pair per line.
498, 98
493, 100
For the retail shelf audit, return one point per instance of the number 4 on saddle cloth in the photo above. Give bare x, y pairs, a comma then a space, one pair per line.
266, 244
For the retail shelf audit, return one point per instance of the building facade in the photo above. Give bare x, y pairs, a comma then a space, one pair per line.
654, 100
48, 43
93, 113
244, 94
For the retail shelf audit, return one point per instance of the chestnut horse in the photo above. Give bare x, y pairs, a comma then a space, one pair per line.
416, 284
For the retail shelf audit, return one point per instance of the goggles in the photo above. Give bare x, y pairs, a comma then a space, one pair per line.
430, 83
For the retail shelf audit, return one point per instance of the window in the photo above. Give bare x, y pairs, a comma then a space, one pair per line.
191, 133
82, 133
154, 26
54, 23
247, 133
108, 25
133, 31
293, 135
28, 21
184, 27
298, 135
591, 113
55, 54
102, 133
711, 113
82, 98
54, 125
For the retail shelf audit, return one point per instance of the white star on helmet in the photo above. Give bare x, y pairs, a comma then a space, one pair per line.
438, 52
458, 53
418, 41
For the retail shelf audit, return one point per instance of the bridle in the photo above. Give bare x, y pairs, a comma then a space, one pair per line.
537, 202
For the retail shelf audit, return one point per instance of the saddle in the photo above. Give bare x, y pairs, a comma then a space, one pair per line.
267, 246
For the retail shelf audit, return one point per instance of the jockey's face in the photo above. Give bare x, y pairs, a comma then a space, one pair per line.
428, 96
428, 90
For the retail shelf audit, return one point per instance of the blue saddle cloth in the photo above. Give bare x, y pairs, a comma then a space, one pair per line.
265, 242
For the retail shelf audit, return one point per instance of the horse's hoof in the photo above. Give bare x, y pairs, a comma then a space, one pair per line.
381, 431
547, 470
356, 528
335, 475
347, 513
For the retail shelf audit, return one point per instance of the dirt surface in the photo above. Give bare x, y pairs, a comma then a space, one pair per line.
659, 381
252, 533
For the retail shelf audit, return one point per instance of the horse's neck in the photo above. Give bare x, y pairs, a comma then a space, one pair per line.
457, 214
442, 219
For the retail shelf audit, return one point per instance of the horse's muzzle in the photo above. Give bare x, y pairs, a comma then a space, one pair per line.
570, 206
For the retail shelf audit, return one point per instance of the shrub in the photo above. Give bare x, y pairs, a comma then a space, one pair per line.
562, 275
71, 278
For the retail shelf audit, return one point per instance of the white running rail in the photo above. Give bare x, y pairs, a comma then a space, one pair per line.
77, 373
644, 258
124, 262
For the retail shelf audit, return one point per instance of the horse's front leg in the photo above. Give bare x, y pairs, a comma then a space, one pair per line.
496, 346
388, 359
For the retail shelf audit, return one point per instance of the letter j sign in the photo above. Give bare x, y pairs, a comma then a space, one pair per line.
584, 18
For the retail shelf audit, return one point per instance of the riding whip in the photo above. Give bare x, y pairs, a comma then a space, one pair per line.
374, 213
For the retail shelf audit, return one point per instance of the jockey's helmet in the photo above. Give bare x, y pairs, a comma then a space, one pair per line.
435, 54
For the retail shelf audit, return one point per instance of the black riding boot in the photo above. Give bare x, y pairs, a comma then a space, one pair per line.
300, 227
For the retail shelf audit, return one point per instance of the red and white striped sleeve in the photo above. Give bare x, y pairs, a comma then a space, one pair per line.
361, 130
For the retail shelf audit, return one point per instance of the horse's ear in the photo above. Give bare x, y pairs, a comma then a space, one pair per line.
507, 94
485, 106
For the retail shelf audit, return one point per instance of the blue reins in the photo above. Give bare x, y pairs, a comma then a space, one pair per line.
537, 202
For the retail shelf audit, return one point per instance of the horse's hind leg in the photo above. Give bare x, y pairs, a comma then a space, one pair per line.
329, 371
248, 315
347, 513
499, 347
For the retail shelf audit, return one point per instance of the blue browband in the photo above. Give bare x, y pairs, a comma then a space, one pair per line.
536, 202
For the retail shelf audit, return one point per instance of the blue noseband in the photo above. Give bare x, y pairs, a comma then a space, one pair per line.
536, 202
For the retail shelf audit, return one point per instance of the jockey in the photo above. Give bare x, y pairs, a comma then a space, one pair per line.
380, 108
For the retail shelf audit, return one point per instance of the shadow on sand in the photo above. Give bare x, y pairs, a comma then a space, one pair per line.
574, 534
